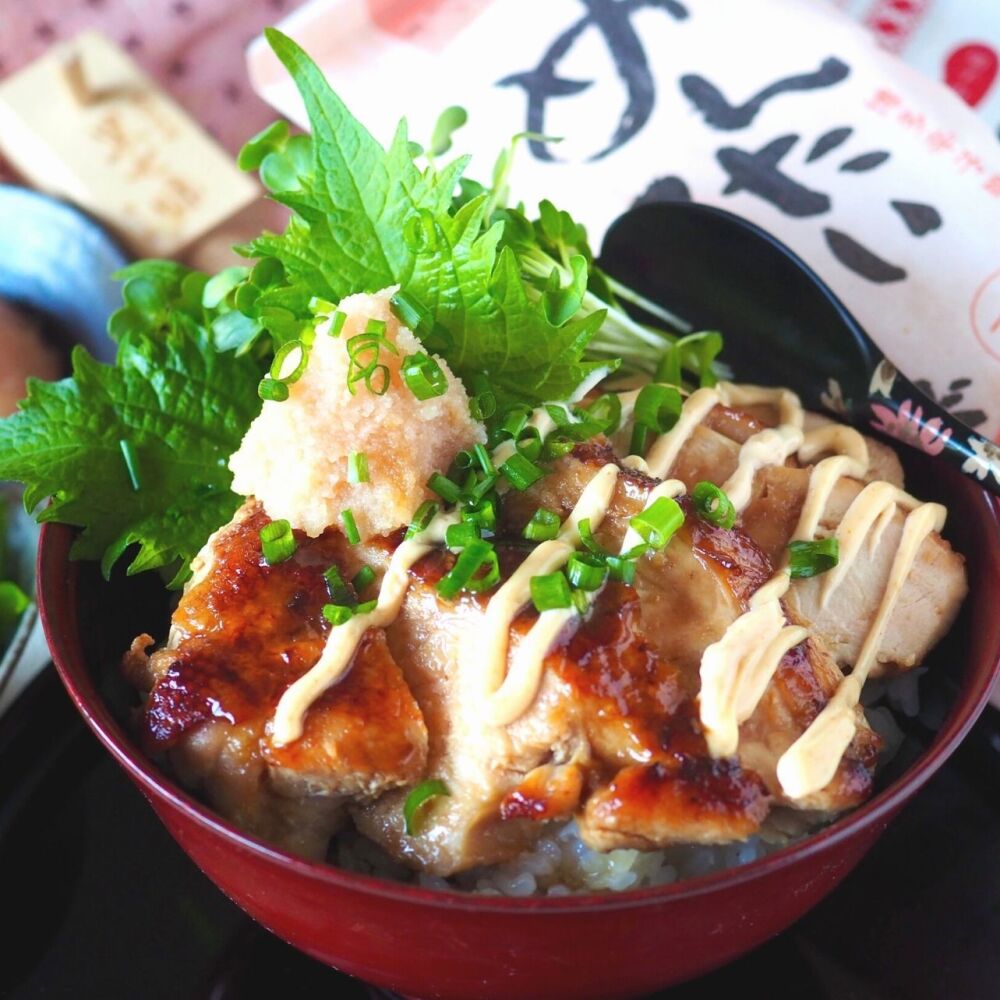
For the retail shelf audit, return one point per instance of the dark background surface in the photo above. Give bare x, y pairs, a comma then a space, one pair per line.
100, 902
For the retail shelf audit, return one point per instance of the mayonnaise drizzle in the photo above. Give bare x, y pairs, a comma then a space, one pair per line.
735, 670
811, 762
768, 447
507, 697
343, 640
868, 507
661, 456
668, 488
524, 678
836, 438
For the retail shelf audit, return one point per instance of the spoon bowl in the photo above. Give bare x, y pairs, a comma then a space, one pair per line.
783, 325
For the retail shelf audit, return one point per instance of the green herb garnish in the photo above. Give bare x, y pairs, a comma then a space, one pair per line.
713, 505
277, 542
423, 376
517, 308
658, 523
418, 798
181, 407
807, 559
543, 526
476, 569
550, 591
351, 532
357, 467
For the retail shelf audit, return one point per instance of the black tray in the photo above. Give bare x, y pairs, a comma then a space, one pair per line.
100, 902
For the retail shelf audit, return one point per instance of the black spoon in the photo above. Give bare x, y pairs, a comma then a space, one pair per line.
782, 324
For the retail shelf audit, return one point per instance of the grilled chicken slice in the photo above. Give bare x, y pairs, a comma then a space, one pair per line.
613, 735
934, 589
242, 633
928, 602
434, 642
609, 705
690, 593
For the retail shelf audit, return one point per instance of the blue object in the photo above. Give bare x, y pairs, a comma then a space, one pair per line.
58, 260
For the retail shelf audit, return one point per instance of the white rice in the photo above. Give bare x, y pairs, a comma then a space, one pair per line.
561, 864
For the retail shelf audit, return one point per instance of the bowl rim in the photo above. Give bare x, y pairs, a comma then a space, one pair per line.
54, 564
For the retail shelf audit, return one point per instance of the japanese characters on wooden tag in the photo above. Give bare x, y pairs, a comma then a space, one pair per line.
84, 123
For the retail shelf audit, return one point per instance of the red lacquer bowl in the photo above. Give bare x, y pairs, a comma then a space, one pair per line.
431, 944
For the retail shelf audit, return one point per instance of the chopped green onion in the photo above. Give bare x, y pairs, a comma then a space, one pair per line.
520, 471
357, 467
463, 460
606, 411
515, 420
277, 542
657, 524
426, 513
658, 407
377, 380
366, 608
482, 513
448, 491
474, 559
336, 587
587, 537
317, 306
482, 400
557, 444
574, 425
586, 571
423, 376
559, 412
363, 351
636, 551
529, 442
640, 439
408, 311
550, 591
483, 486
338, 614
417, 798
363, 578
484, 459
581, 601
713, 505
286, 358
807, 559
483, 406
350, 526
621, 568
337, 321
272, 391
457, 536
131, 465
543, 526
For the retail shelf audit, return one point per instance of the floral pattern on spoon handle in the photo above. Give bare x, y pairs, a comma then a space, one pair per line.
900, 410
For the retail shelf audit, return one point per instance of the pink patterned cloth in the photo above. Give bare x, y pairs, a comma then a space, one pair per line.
193, 48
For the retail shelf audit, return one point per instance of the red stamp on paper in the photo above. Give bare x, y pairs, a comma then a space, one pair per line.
894, 21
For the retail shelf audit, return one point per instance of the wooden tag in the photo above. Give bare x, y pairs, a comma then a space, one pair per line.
86, 124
